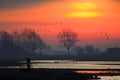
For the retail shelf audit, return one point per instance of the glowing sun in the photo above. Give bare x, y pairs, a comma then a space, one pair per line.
84, 10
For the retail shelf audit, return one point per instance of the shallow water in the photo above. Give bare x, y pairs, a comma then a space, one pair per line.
76, 64
110, 77
67, 64
80, 65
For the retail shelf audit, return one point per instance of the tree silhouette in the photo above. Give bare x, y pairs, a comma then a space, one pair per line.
30, 40
80, 50
5, 39
90, 49
16, 38
20, 43
7, 46
67, 39
6, 43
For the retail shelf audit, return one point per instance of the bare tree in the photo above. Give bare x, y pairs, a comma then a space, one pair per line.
17, 43
67, 39
6, 43
30, 40
5, 38
16, 37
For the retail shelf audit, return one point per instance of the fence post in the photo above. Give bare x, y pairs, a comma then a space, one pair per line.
28, 63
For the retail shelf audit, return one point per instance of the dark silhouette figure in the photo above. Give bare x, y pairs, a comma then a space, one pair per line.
28, 63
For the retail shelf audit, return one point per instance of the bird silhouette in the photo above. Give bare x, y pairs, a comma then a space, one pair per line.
103, 34
59, 23
107, 36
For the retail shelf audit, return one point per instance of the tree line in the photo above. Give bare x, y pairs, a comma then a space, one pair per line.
26, 42
29, 41
20, 42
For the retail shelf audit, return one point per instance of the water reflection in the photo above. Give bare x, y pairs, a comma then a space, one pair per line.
109, 77
68, 64
98, 72
76, 64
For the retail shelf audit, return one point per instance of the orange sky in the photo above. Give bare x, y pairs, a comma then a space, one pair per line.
89, 18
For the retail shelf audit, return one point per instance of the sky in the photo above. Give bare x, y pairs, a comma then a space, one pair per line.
93, 20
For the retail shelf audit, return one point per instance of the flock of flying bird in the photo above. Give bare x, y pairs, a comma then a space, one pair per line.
97, 32
105, 34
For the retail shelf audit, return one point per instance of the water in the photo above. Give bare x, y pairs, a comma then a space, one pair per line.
76, 64
67, 64
79, 65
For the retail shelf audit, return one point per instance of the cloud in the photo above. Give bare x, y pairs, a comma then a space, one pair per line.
14, 4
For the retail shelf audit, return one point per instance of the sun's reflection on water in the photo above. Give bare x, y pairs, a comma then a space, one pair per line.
97, 72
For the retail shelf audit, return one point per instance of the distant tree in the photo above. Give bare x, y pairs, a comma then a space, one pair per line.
67, 39
90, 49
16, 38
44, 50
6, 43
30, 40
5, 38
49, 49
113, 50
80, 50
20, 44
97, 51
41, 45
